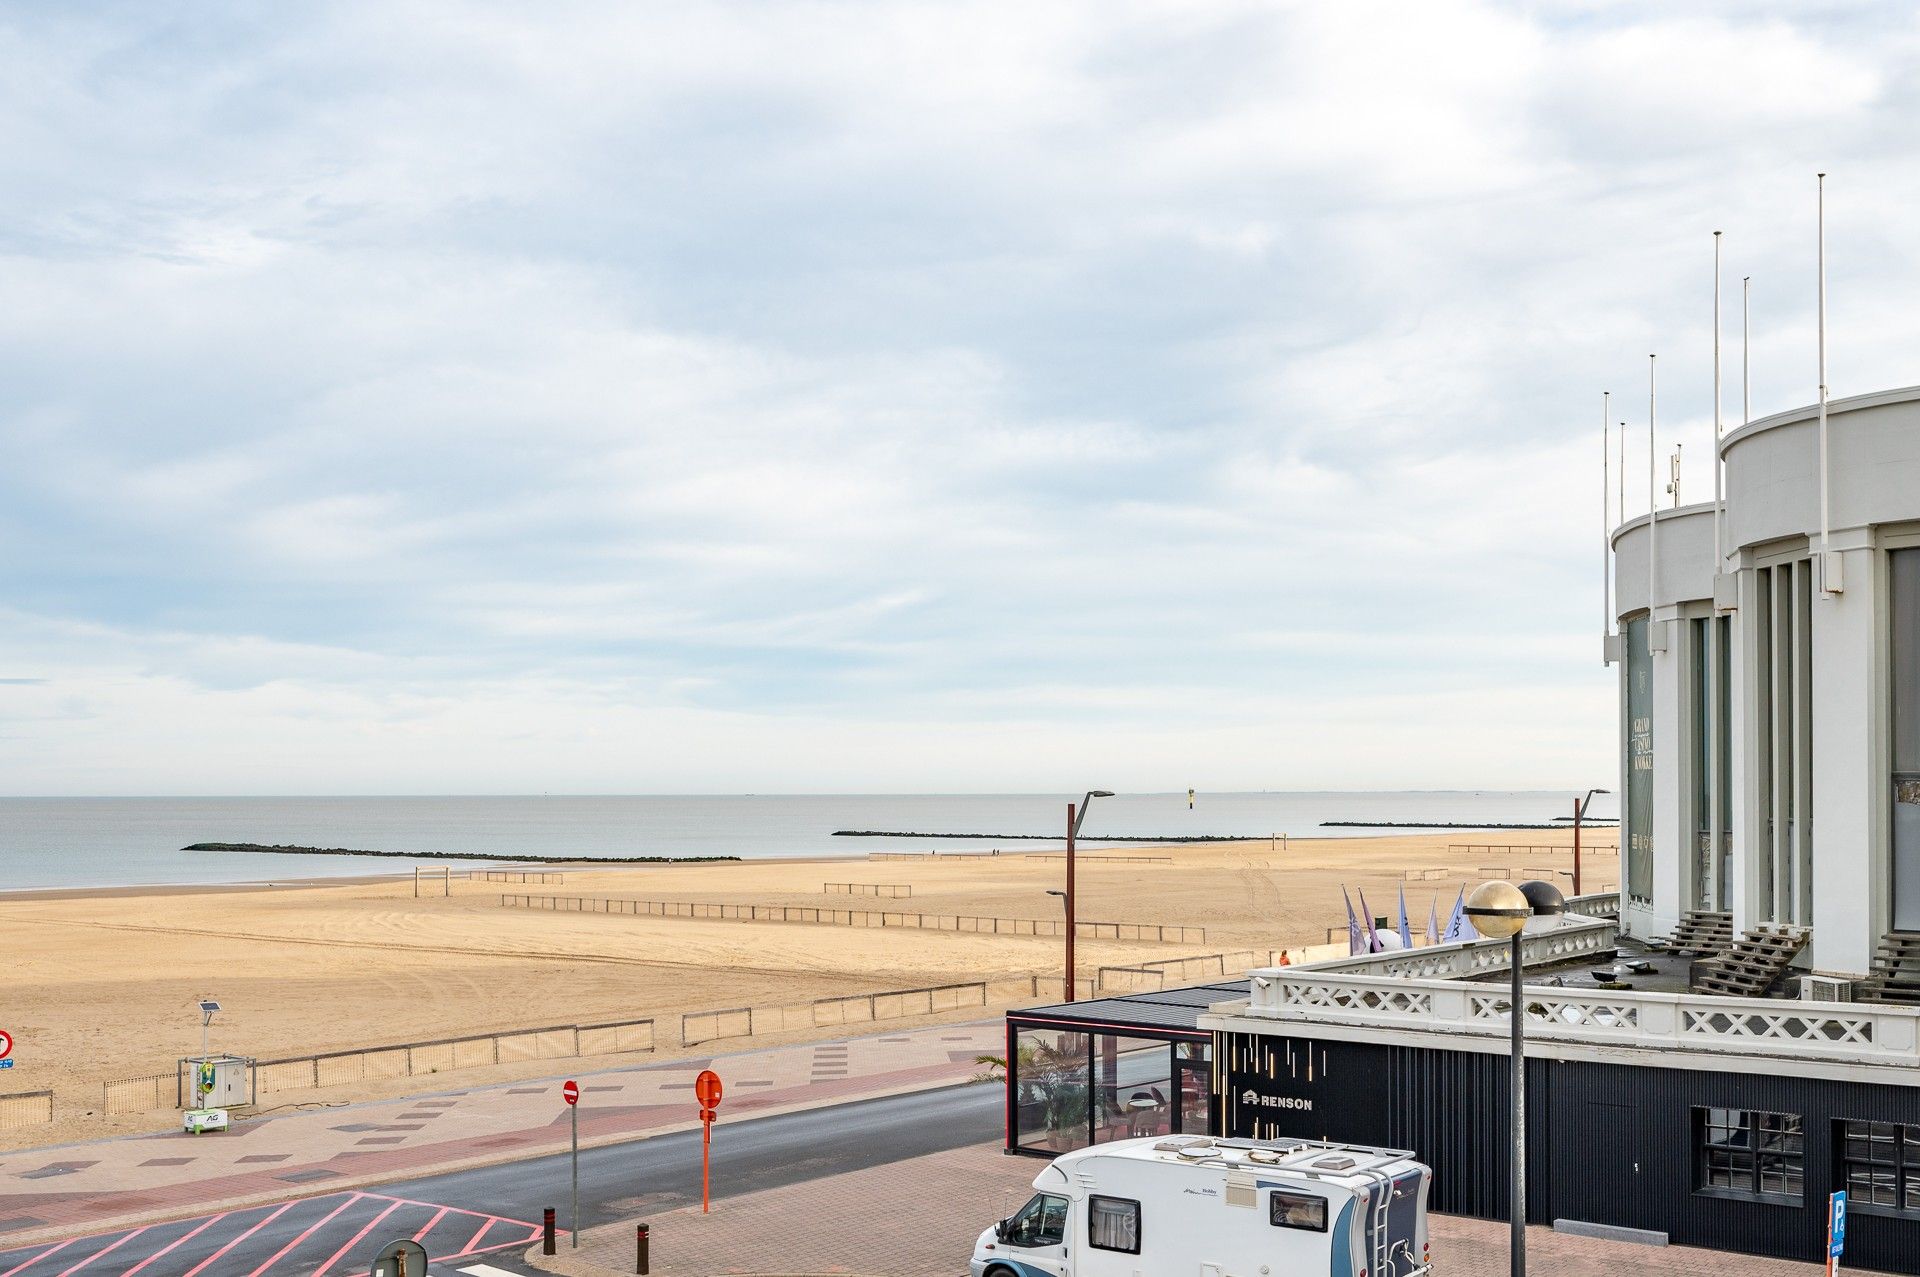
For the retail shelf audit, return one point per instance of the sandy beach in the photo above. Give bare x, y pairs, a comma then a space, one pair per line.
103, 984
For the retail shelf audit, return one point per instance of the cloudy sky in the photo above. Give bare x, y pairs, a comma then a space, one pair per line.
615, 397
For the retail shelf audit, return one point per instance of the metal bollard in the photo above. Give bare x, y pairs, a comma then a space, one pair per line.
546, 1232
640, 1236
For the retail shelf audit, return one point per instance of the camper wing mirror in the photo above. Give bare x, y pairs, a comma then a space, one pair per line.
1000, 1230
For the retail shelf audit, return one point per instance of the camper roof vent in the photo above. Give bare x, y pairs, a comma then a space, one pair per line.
1264, 1156
1197, 1150
1178, 1143
1335, 1163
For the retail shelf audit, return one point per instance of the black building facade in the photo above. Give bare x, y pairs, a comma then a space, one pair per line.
1737, 1159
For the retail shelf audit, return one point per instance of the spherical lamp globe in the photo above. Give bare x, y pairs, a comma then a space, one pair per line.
1497, 910
1544, 898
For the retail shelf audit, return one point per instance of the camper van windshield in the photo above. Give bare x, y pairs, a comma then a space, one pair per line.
1041, 1222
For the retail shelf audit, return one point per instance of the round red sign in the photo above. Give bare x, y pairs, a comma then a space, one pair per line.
570, 1092
706, 1088
6, 1044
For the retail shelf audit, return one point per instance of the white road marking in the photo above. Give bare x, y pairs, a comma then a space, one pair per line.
485, 1270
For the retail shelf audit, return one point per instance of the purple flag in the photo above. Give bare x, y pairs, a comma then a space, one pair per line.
1354, 945
1373, 936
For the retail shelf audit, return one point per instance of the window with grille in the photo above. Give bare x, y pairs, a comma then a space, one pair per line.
1880, 1165
1113, 1223
1743, 1153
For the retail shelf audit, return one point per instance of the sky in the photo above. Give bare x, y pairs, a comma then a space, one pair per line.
707, 397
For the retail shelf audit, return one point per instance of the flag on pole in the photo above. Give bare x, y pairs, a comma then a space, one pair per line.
1355, 947
1433, 920
1373, 936
1406, 934
1457, 924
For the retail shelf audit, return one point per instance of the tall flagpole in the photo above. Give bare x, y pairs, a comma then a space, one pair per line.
1622, 490
1746, 349
1719, 551
1826, 527
1653, 494
1606, 571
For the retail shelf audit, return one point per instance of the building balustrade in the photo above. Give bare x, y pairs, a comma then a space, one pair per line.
1319, 996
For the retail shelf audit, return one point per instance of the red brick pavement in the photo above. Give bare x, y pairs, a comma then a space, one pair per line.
919, 1218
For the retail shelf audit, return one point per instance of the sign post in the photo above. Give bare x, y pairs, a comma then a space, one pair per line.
403, 1258
570, 1092
1836, 1231
706, 1089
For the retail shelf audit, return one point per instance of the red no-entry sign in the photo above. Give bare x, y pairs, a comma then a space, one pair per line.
570, 1091
706, 1089
6, 1044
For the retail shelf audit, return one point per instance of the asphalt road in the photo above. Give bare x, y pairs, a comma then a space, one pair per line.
486, 1216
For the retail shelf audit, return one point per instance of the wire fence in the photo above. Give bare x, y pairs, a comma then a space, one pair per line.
934, 855
1084, 857
1145, 932
141, 1094
518, 875
25, 1108
895, 890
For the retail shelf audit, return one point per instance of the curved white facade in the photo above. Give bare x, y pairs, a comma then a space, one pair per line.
1770, 711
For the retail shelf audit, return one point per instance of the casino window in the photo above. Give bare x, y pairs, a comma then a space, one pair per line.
1297, 1210
1113, 1223
1743, 1153
1880, 1166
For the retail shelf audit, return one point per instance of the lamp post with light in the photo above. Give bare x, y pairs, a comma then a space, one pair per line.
1579, 814
1499, 911
1075, 817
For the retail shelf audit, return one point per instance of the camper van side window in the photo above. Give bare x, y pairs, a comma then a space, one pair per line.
1113, 1223
1041, 1222
1298, 1210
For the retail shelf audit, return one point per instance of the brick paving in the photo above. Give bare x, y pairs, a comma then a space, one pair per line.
104, 1184
919, 1218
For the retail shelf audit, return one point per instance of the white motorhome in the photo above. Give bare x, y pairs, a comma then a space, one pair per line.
1194, 1206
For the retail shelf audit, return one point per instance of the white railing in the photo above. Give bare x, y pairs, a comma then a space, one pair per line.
1571, 937
1595, 904
1850, 1032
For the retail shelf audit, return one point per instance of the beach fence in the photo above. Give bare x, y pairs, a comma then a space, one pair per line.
1529, 848
934, 855
518, 875
1084, 857
894, 890
1423, 875
25, 1108
697, 1027
442, 1055
1143, 932
394, 1060
1171, 973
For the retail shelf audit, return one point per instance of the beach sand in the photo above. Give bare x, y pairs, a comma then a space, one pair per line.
103, 985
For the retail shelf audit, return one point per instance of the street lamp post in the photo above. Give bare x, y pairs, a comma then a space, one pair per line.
1499, 911
1579, 814
1075, 817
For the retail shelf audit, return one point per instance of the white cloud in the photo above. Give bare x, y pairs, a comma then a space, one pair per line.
445, 395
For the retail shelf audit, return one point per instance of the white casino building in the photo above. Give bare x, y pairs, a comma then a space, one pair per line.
1770, 712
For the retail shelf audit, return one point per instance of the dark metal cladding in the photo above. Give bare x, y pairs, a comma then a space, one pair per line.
1607, 1143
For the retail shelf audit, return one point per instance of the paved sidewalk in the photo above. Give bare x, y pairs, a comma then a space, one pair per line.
95, 1186
919, 1218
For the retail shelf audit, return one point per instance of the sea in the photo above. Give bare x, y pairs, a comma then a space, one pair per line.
97, 842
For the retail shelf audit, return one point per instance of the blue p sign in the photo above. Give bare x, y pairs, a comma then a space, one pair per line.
1836, 1224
